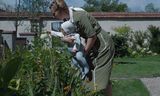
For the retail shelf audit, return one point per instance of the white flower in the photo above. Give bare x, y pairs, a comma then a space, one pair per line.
138, 47
134, 52
149, 52
154, 54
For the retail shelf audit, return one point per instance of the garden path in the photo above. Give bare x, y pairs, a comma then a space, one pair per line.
153, 85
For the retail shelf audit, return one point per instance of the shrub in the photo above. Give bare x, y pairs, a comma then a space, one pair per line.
122, 30
155, 41
130, 43
120, 46
42, 72
138, 42
120, 40
47, 71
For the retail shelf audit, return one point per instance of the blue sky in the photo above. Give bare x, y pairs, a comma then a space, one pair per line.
134, 5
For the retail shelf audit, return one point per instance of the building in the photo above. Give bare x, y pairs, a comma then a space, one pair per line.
108, 21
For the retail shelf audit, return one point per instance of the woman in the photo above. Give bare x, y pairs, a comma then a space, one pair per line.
99, 45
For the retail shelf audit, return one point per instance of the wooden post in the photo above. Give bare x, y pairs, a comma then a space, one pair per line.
1, 45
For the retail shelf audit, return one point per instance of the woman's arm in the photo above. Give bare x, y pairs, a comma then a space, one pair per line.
90, 43
68, 39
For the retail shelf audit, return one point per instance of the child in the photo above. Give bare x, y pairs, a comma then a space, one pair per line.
77, 48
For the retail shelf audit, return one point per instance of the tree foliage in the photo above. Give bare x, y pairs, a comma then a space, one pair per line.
34, 8
34, 5
151, 8
105, 6
155, 42
5, 7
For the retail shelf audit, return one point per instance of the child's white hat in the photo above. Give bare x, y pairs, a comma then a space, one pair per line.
68, 27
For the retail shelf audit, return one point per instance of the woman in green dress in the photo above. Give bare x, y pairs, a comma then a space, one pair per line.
99, 45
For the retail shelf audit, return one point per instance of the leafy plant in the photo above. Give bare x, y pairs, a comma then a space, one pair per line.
8, 71
42, 71
139, 42
155, 41
120, 46
120, 40
122, 30
48, 72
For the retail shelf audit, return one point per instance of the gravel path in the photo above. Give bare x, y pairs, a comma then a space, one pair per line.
153, 85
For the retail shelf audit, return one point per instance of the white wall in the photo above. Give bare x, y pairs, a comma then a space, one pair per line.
135, 25
8, 38
106, 25
7, 25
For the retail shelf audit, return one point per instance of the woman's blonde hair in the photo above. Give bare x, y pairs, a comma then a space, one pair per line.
60, 3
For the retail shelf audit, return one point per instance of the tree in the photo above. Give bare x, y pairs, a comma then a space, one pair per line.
35, 5
34, 8
151, 8
122, 7
105, 6
4, 6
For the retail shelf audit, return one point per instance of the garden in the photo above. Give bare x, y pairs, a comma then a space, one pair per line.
44, 71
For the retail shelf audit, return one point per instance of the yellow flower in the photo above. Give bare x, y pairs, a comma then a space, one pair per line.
67, 88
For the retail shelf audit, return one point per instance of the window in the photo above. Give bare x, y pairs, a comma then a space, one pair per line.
55, 26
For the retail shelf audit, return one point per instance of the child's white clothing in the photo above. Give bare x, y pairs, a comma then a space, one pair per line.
79, 58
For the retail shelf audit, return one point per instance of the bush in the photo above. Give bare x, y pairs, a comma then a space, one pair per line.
42, 72
120, 40
130, 43
122, 30
155, 42
121, 47
138, 43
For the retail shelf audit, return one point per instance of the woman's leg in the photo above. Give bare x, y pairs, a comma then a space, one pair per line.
109, 89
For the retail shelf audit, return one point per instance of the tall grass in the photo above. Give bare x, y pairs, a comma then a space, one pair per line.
43, 72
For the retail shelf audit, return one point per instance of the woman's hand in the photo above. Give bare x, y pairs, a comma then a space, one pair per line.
68, 39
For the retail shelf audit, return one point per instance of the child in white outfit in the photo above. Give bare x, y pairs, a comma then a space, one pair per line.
77, 48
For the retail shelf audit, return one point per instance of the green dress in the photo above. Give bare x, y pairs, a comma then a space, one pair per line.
102, 53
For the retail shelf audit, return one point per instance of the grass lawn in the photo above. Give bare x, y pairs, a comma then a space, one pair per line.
127, 71
129, 88
148, 66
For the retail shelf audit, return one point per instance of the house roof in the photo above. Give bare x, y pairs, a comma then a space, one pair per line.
125, 15
97, 15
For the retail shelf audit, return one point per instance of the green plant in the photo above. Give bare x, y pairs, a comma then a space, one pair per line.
122, 30
120, 40
155, 41
138, 43
42, 71
120, 46
8, 71
48, 72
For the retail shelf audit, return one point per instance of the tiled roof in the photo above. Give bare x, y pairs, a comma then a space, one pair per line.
98, 15
121, 15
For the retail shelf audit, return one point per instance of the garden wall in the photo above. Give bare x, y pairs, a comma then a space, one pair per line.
107, 25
